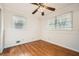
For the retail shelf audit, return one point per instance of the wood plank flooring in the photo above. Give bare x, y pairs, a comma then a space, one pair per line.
38, 48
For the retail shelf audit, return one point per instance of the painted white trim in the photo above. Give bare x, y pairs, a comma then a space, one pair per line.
2, 31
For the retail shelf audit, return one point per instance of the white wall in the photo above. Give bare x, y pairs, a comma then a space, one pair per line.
28, 34
68, 39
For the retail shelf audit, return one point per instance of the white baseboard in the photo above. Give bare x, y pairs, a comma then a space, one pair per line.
62, 45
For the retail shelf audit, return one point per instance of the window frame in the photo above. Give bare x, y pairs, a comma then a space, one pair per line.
70, 12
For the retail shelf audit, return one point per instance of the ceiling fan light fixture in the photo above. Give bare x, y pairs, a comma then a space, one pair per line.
42, 13
42, 7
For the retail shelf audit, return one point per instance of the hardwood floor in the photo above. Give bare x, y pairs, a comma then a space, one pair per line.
38, 48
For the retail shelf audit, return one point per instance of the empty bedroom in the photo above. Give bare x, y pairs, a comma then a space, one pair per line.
39, 29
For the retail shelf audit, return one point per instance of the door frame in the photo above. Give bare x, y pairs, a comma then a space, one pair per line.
2, 29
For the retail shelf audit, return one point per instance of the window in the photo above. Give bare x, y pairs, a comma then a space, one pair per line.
61, 22
19, 22
52, 24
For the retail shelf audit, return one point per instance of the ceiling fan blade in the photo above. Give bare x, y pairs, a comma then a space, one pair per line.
35, 4
35, 10
50, 8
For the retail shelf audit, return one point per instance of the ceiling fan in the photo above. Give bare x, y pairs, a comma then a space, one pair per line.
43, 6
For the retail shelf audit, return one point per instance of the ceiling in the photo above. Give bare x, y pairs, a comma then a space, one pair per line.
27, 7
